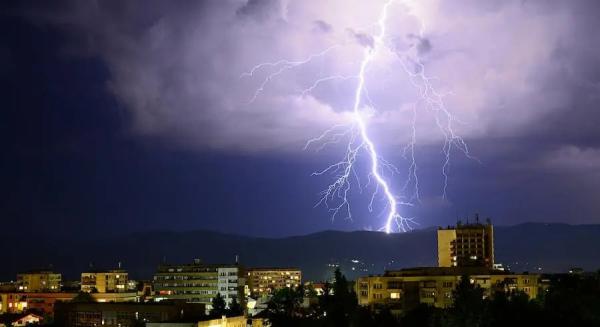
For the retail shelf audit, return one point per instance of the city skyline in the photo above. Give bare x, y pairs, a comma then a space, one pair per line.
198, 291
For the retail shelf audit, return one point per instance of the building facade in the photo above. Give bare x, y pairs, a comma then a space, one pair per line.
230, 283
466, 245
38, 281
264, 281
404, 289
17, 302
239, 321
122, 314
464, 250
198, 282
109, 281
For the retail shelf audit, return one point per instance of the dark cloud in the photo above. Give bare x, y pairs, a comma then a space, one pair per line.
261, 9
323, 26
364, 39
423, 45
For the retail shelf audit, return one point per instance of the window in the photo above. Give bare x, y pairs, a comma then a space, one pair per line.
394, 285
427, 294
429, 284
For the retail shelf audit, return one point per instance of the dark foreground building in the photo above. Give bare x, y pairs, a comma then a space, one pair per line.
124, 314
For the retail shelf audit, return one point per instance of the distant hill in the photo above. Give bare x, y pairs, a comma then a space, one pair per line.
525, 247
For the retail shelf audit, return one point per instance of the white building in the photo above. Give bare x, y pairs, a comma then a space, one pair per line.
229, 283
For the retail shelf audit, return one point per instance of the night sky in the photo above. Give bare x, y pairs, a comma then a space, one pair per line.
122, 117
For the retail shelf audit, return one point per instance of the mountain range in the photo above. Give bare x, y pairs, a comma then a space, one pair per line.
525, 247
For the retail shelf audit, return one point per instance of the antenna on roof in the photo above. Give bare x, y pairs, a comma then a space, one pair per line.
119, 264
477, 217
237, 259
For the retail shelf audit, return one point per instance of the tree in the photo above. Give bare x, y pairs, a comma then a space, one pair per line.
339, 307
218, 306
284, 307
235, 308
6, 319
286, 302
468, 307
573, 300
311, 292
83, 297
384, 318
423, 315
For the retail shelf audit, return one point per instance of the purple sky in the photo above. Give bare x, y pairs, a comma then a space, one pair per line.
522, 79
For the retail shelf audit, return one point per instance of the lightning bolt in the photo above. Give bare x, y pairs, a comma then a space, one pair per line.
336, 196
434, 101
283, 66
382, 184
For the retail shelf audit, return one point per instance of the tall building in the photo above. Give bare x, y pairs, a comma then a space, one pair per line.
38, 281
198, 282
464, 250
466, 245
107, 281
264, 281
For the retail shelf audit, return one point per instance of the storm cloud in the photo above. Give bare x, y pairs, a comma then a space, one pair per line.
511, 67
522, 77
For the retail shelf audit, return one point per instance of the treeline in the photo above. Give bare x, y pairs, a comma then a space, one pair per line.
570, 300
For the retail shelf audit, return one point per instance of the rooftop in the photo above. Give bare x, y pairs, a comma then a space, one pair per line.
272, 269
445, 271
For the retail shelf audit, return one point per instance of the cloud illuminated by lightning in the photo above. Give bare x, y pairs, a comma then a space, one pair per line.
336, 196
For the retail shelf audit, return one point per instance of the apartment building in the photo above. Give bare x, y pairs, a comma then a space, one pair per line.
466, 245
18, 302
38, 281
265, 281
198, 282
105, 281
404, 289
